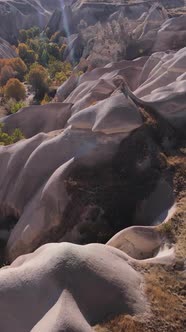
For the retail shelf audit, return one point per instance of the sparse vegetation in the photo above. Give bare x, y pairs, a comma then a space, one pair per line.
6, 139
46, 99
166, 227
14, 106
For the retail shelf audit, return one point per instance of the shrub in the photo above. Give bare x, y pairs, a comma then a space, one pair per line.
15, 89
166, 227
60, 78
38, 78
6, 139
14, 106
65, 72
46, 99
17, 135
55, 67
60, 71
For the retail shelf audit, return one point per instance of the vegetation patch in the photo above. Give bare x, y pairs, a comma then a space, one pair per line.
6, 139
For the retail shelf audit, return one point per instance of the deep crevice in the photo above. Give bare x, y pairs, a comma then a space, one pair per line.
8, 219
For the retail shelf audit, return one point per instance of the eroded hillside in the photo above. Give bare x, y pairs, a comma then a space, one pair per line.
92, 197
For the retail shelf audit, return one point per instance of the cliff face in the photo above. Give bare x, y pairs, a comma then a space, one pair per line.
16, 15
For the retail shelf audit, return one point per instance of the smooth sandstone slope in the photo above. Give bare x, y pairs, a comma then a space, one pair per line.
69, 288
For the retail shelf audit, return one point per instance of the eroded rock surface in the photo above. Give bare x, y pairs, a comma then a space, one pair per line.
103, 163
98, 124
70, 287
6, 51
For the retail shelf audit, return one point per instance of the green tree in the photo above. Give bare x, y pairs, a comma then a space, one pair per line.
53, 50
44, 58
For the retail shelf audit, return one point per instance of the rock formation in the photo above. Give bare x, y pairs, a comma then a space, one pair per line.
85, 130
70, 287
92, 199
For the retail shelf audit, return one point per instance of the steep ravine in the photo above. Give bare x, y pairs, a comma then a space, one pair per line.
114, 195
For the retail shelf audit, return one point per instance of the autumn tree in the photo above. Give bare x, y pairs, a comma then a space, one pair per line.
38, 78
27, 55
19, 67
6, 73
15, 89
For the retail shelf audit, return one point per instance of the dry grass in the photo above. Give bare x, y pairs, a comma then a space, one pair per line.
178, 164
122, 324
165, 291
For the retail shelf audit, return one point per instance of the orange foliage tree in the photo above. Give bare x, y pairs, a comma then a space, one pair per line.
6, 73
10, 68
15, 89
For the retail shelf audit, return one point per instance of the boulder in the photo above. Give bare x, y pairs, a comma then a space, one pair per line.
139, 242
